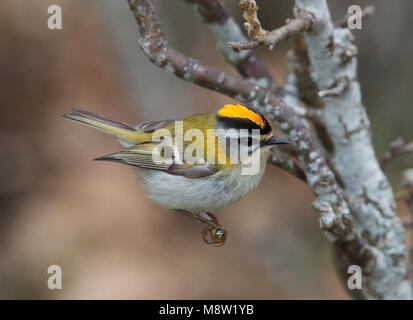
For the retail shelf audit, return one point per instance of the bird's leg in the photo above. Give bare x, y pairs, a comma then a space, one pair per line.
213, 233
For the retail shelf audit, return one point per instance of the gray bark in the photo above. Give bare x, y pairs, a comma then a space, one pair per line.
331, 53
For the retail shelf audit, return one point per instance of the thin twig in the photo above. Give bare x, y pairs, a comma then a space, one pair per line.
397, 148
367, 11
243, 45
302, 22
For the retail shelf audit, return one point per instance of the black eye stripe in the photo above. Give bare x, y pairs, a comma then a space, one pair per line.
246, 141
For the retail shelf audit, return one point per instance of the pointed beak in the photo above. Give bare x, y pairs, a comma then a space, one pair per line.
273, 140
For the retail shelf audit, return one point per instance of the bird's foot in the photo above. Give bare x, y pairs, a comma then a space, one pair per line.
213, 233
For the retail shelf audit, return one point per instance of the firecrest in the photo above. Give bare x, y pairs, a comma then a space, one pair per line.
218, 176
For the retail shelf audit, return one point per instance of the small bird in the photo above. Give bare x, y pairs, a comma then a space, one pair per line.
195, 188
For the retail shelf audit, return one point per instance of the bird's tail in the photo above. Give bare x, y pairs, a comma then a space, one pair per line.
122, 131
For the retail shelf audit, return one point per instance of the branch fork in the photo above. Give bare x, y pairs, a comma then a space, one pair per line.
303, 21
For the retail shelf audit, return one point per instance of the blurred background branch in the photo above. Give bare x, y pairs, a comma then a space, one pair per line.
397, 149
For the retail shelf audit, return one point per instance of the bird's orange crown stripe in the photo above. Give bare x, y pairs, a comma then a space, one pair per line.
239, 111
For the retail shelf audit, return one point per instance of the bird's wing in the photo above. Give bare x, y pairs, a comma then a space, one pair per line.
142, 156
151, 126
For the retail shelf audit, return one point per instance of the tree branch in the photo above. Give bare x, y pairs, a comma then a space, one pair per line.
238, 46
299, 71
247, 63
354, 160
397, 149
280, 160
226, 29
302, 22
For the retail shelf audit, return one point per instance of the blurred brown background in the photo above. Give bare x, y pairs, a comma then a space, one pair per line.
57, 206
